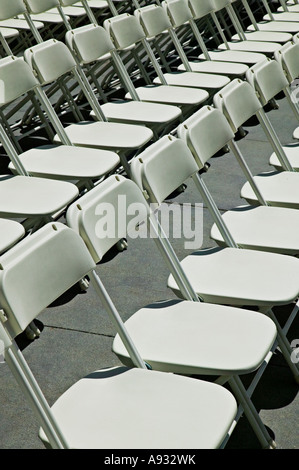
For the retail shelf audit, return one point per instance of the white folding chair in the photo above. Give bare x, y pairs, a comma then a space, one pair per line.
238, 102
229, 276
90, 414
126, 34
60, 162
11, 23
180, 14
124, 139
155, 22
201, 9
241, 44
271, 24
157, 329
90, 44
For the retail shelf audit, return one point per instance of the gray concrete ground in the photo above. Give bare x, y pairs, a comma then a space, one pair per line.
77, 334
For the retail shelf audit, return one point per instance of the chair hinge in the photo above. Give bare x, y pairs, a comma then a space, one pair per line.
3, 316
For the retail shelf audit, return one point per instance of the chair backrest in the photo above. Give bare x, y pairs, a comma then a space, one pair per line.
104, 215
9, 9
49, 60
177, 11
220, 4
16, 78
38, 270
268, 79
89, 43
205, 132
200, 8
163, 167
288, 57
124, 30
238, 102
153, 19
40, 6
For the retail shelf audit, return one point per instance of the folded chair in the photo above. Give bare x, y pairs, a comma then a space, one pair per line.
90, 44
127, 34
122, 138
176, 336
238, 102
229, 276
88, 415
60, 162
270, 24
180, 14
155, 22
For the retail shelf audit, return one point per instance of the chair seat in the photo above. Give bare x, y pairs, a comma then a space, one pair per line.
296, 133
263, 228
278, 188
270, 36
138, 112
225, 68
106, 135
180, 337
242, 57
20, 24
291, 8
52, 18
292, 152
283, 16
252, 46
9, 32
171, 95
123, 408
10, 233
72, 11
195, 80
23, 196
66, 162
241, 277
277, 26
97, 3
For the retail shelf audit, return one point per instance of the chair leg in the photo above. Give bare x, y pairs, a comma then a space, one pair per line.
285, 347
251, 413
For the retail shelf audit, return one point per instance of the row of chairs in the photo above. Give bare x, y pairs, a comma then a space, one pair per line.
200, 414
